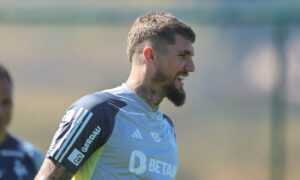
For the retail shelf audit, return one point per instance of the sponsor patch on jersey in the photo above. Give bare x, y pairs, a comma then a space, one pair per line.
90, 139
140, 163
76, 157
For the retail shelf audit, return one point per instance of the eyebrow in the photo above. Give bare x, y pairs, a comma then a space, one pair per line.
186, 52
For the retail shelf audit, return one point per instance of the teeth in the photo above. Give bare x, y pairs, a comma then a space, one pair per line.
180, 77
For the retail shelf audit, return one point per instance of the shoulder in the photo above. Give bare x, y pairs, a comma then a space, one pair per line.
99, 100
30, 150
22, 144
11, 141
85, 127
101, 106
169, 120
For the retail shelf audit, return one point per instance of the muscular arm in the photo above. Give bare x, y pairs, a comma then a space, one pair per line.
52, 170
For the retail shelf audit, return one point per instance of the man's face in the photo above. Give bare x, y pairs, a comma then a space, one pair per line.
173, 66
5, 103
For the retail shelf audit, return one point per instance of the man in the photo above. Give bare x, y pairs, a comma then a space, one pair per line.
18, 158
121, 133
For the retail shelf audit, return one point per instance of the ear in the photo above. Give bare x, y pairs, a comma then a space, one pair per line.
148, 54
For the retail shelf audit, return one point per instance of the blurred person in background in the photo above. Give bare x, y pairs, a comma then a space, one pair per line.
18, 158
121, 133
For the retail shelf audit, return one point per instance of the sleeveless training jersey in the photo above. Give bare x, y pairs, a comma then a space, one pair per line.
19, 160
114, 134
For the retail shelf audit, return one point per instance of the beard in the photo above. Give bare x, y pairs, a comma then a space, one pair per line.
174, 94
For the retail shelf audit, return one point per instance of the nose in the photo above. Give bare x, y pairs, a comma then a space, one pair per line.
190, 67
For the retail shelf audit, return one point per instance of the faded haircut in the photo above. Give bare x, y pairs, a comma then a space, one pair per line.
157, 28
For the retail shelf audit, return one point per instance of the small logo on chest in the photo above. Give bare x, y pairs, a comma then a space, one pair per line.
137, 134
155, 137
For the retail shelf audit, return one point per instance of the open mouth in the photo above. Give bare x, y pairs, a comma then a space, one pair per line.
180, 77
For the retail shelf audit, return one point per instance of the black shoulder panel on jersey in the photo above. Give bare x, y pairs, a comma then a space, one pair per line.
169, 120
86, 126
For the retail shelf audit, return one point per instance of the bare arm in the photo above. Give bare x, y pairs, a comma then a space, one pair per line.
52, 170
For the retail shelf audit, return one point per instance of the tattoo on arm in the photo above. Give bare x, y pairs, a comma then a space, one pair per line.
49, 166
52, 170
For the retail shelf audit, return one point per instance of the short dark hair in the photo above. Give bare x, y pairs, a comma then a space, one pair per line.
157, 28
5, 74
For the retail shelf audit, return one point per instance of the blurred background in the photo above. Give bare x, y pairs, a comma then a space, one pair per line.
241, 117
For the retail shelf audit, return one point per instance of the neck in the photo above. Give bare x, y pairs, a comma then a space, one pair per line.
139, 81
3, 135
150, 96
146, 92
